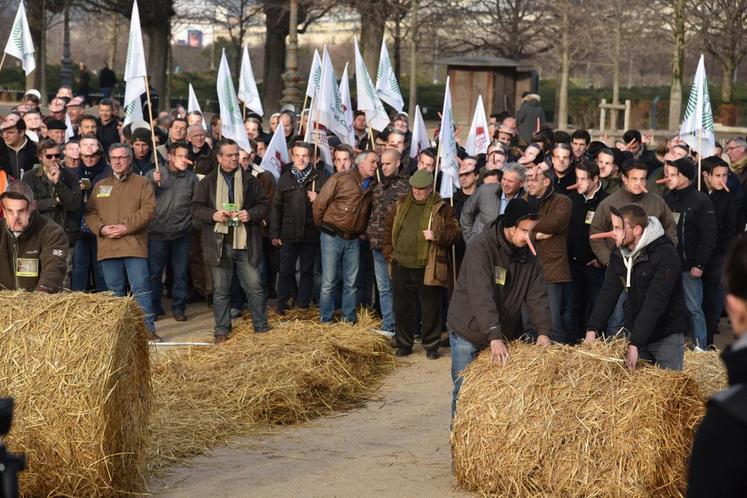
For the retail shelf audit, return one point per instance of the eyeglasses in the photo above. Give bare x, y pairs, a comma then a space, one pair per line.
53, 156
89, 156
118, 158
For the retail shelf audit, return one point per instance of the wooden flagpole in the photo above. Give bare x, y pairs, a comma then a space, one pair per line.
371, 146
243, 115
2, 61
435, 179
453, 246
305, 99
314, 139
700, 155
152, 129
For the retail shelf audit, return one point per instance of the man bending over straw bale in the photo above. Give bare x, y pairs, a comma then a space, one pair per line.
33, 249
500, 274
645, 265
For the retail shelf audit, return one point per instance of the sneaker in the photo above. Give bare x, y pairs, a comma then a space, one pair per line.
432, 354
220, 339
153, 337
403, 352
263, 331
698, 349
385, 333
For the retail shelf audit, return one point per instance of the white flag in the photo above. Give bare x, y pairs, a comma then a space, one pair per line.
368, 101
135, 70
697, 125
478, 138
20, 44
347, 107
69, 132
193, 105
386, 81
316, 133
276, 154
447, 150
248, 92
331, 113
315, 75
419, 140
232, 126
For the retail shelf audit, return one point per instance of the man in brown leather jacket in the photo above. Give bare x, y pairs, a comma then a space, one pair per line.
341, 212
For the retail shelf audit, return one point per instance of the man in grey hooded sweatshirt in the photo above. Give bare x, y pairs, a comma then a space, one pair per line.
645, 265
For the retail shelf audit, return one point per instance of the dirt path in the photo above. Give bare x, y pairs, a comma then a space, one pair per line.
394, 446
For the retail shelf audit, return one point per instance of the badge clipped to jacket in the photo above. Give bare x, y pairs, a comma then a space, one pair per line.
500, 276
27, 267
105, 191
589, 217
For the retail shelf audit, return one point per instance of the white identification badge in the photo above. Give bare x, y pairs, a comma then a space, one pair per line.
676, 217
589, 217
500, 276
27, 267
104, 191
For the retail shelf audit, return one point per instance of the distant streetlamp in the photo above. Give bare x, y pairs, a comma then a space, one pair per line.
292, 89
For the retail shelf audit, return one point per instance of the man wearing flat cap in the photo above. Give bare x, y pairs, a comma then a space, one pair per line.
500, 274
696, 237
418, 234
33, 249
56, 131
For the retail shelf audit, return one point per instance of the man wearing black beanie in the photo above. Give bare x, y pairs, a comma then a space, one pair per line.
500, 274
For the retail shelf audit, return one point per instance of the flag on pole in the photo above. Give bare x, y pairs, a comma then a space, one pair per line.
331, 113
478, 138
276, 154
69, 132
316, 133
20, 44
447, 150
347, 107
368, 100
135, 70
315, 75
386, 81
232, 126
697, 125
193, 105
420, 140
248, 92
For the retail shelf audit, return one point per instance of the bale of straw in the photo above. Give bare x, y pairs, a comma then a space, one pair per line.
78, 368
298, 371
563, 421
707, 370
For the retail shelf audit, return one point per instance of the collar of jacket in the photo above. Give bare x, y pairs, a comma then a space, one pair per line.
632, 197
684, 192
594, 195
20, 147
516, 254
739, 166
124, 176
386, 181
550, 190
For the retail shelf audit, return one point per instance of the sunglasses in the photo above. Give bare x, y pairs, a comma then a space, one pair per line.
53, 156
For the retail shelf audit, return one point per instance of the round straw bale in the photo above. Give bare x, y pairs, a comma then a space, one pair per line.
77, 366
707, 370
562, 421
299, 370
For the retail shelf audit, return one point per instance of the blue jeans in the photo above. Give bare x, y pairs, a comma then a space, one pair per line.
693, 288
559, 296
384, 284
462, 354
84, 260
119, 271
335, 250
237, 261
617, 319
161, 252
667, 353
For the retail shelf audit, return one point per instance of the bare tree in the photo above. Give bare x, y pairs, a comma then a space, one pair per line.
723, 30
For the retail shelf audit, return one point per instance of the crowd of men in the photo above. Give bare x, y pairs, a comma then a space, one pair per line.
552, 236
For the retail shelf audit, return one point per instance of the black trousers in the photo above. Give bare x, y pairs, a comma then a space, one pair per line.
289, 253
409, 291
713, 295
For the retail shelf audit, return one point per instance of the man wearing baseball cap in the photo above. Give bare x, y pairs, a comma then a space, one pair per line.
17, 151
500, 273
34, 247
696, 237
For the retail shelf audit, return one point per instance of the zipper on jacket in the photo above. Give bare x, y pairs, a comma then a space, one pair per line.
684, 247
15, 259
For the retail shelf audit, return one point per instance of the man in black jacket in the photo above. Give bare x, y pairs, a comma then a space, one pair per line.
718, 466
696, 237
587, 274
499, 275
645, 265
17, 151
107, 124
230, 206
715, 177
292, 227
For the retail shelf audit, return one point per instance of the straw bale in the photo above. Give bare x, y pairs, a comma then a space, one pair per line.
562, 421
78, 368
707, 370
299, 370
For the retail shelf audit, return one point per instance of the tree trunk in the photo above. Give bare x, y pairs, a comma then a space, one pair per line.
413, 59
42, 67
678, 55
169, 77
35, 17
113, 41
726, 80
565, 68
616, 74
373, 20
397, 48
158, 45
277, 24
